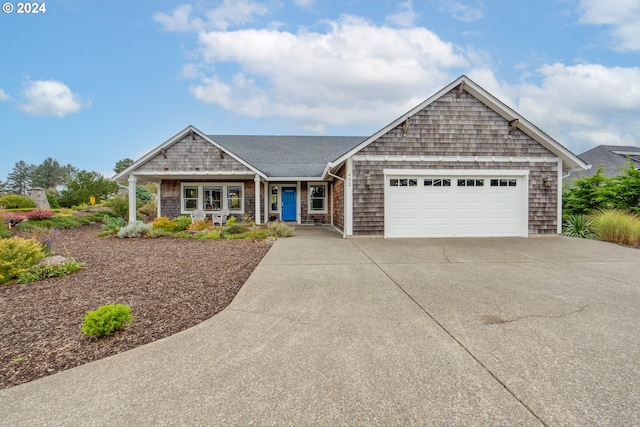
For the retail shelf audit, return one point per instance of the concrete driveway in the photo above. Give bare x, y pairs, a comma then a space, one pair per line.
327, 331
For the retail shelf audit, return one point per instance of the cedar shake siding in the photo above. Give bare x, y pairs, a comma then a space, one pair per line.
454, 127
338, 200
189, 155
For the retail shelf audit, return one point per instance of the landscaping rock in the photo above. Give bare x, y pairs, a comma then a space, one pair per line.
54, 260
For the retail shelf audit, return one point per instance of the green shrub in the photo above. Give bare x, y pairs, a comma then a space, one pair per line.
106, 320
231, 220
578, 226
164, 223
53, 201
134, 229
617, 226
119, 205
143, 194
17, 255
235, 229
113, 224
181, 222
60, 222
13, 201
38, 272
149, 209
280, 229
157, 232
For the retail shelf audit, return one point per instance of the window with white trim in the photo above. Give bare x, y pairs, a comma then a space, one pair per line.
190, 197
318, 197
234, 198
212, 196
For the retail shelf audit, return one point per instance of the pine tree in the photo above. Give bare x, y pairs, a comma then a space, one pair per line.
49, 174
19, 180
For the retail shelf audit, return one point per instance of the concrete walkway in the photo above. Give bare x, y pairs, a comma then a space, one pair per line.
330, 331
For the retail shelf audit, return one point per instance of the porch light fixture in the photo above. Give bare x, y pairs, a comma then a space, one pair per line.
367, 180
546, 181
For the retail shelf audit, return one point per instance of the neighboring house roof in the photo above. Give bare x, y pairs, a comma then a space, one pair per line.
288, 156
570, 160
613, 158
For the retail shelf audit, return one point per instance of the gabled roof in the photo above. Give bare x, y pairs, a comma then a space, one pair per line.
188, 130
570, 160
288, 156
613, 158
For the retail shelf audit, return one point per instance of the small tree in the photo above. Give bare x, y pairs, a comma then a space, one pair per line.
19, 180
49, 174
585, 194
84, 185
623, 191
122, 165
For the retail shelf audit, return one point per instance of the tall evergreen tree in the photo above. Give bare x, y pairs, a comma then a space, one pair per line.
122, 165
49, 174
19, 180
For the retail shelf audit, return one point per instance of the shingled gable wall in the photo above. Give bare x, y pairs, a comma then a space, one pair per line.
450, 127
196, 155
188, 155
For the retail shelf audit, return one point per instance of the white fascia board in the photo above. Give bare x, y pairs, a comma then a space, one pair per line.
293, 178
120, 176
457, 172
461, 159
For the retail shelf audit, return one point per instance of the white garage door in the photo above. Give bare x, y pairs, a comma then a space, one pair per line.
467, 204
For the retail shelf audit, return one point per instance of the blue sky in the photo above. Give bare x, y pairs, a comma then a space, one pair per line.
90, 82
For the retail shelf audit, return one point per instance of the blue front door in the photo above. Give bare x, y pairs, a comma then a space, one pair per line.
289, 204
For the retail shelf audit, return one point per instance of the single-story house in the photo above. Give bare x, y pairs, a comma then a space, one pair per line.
612, 158
461, 163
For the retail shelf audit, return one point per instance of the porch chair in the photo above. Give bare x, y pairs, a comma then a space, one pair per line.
198, 215
220, 217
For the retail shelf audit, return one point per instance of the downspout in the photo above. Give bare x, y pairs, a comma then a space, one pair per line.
344, 227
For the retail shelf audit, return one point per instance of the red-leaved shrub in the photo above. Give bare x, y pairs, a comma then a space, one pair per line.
13, 217
39, 214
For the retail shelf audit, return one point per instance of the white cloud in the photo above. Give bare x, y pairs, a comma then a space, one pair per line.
354, 73
50, 98
623, 16
462, 12
4, 96
178, 20
581, 106
305, 4
228, 13
405, 15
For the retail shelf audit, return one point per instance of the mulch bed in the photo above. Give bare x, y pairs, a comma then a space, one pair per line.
171, 284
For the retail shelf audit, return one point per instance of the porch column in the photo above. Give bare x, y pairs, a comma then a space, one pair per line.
257, 197
267, 202
159, 199
132, 198
348, 199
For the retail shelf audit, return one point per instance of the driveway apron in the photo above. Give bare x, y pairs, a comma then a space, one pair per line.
383, 332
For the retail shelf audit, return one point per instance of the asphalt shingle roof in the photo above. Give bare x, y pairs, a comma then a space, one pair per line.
608, 157
288, 156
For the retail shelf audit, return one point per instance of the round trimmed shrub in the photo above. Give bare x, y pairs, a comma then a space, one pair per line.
106, 320
17, 255
14, 201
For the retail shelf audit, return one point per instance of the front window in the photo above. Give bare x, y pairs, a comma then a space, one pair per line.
212, 198
190, 198
317, 198
234, 198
